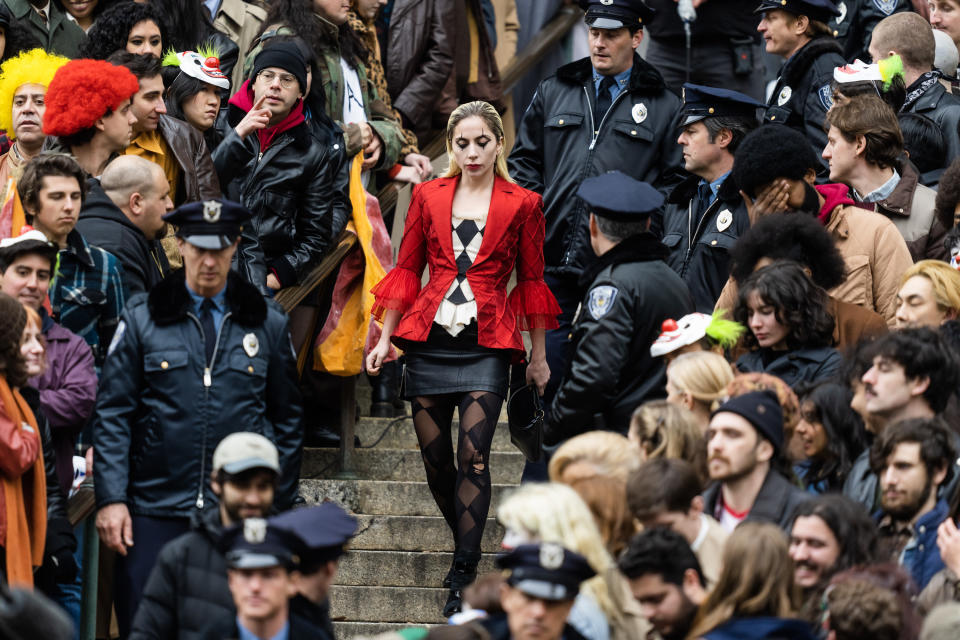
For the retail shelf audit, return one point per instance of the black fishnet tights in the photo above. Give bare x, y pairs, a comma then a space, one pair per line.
462, 491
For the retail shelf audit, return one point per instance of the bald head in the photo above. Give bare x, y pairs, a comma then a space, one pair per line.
908, 35
139, 188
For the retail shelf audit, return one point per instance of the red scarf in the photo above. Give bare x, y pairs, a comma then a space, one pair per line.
243, 100
834, 195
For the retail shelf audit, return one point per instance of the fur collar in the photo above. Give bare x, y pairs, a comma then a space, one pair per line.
170, 301
643, 247
796, 67
643, 77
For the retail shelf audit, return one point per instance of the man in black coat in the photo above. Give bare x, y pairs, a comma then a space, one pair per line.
705, 214
631, 291
123, 214
201, 356
609, 111
188, 585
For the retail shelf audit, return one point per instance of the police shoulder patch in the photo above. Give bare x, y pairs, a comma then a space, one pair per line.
885, 6
117, 335
600, 300
825, 93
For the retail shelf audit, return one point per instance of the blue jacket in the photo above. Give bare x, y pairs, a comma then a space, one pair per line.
921, 557
159, 417
762, 627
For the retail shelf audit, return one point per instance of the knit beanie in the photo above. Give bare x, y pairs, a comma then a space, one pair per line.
82, 92
286, 56
13, 318
762, 410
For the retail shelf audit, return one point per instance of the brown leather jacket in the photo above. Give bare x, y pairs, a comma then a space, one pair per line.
198, 178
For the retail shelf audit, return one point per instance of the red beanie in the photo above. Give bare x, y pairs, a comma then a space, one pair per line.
82, 91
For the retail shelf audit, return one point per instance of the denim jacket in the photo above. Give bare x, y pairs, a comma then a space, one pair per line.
921, 556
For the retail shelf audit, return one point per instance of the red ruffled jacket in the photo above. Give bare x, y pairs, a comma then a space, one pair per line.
513, 235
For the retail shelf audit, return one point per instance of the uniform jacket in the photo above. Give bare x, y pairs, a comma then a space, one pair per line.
198, 178
921, 557
812, 364
157, 422
498, 629
62, 36
803, 91
188, 585
225, 628
241, 21
762, 628
630, 292
911, 209
715, 24
104, 225
854, 26
943, 108
775, 502
558, 145
68, 391
298, 205
700, 248
513, 235
305, 613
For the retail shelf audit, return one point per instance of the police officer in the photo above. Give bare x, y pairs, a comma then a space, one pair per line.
609, 111
796, 30
541, 583
323, 533
201, 356
705, 214
630, 292
853, 25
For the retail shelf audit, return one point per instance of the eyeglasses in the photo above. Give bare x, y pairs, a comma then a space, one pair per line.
287, 81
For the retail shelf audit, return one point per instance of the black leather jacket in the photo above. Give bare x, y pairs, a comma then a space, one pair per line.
297, 192
157, 420
559, 145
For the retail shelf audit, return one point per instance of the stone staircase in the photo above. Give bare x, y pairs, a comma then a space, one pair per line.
391, 577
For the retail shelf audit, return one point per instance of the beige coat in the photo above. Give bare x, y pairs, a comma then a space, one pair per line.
709, 549
241, 21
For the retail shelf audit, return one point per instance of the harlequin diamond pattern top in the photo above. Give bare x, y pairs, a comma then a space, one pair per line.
458, 307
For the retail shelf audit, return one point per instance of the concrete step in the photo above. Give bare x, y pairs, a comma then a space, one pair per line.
399, 568
349, 630
403, 465
388, 604
379, 497
416, 533
403, 436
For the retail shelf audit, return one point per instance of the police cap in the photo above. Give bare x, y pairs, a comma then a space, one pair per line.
614, 14
617, 196
255, 544
701, 102
545, 570
323, 531
819, 10
209, 224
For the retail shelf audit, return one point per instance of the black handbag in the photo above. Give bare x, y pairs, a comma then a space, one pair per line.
525, 414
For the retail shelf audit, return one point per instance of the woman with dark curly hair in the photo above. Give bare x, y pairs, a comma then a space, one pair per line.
189, 27
832, 436
130, 26
790, 329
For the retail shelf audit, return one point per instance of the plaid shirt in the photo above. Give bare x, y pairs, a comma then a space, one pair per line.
87, 293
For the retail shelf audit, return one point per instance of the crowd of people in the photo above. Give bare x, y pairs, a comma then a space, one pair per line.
730, 234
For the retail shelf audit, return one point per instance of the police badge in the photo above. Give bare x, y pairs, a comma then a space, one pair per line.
885, 6
601, 300
211, 211
551, 556
639, 112
842, 8
251, 345
254, 530
784, 96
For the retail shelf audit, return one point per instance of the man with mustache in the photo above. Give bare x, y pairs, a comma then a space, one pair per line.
912, 459
744, 441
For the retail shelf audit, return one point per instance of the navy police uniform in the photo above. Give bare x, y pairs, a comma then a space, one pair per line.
803, 93
630, 292
574, 129
853, 25
700, 228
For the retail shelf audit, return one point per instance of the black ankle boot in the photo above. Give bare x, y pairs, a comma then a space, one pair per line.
464, 572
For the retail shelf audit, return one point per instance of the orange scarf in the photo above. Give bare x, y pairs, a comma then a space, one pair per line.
25, 501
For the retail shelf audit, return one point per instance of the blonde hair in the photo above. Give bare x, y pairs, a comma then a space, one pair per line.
944, 279
489, 114
592, 453
703, 374
756, 579
667, 431
554, 512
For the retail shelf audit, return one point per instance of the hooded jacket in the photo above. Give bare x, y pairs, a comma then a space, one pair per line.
104, 225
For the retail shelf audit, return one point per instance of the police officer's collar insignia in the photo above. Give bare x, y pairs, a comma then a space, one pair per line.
784, 96
601, 300
639, 112
825, 93
606, 2
254, 530
842, 8
551, 556
724, 220
250, 344
211, 211
886, 6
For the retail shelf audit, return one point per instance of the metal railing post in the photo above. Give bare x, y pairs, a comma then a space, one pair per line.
91, 566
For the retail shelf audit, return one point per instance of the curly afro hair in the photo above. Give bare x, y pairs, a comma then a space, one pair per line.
35, 67
948, 194
770, 152
789, 236
111, 29
83, 91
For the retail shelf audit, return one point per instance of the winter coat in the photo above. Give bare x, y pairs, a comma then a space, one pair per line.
630, 292
161, 411
853, 323
775, 502
796, 366
942, 107
198, 178
715, 24
921, 557
225, 628
558, 145
298, 204
188, 585
61, 35
700, 248
762, 628
104, 225
854, 26
241, 22
496, 626
305, 613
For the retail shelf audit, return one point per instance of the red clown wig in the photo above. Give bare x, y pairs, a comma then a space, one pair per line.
82, 92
